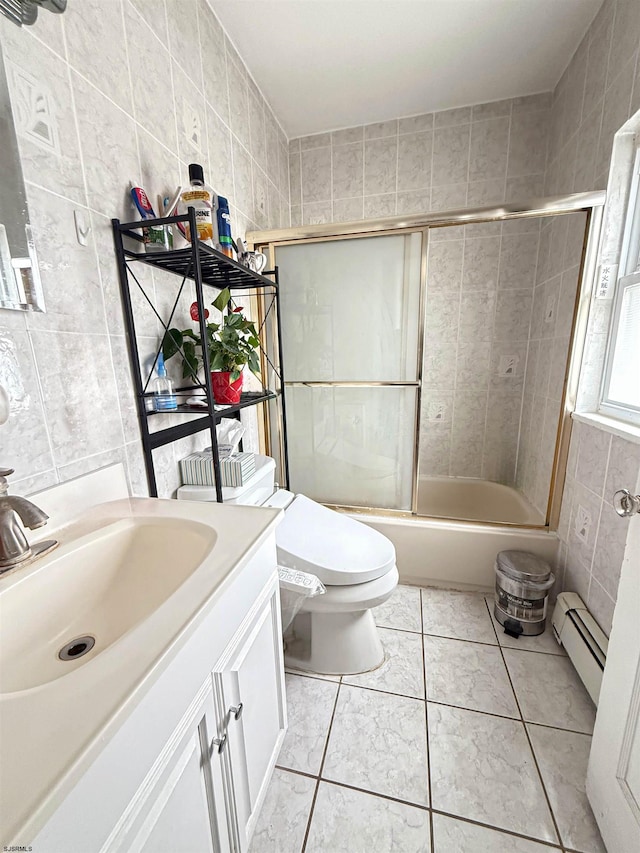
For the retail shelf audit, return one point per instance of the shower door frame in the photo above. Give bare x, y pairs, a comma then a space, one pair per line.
392, 383
590, 203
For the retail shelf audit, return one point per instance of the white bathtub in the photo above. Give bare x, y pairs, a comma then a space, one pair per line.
456, 554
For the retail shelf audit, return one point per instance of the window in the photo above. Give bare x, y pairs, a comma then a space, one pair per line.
621, 386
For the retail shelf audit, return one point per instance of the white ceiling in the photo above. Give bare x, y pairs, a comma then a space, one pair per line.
328, 64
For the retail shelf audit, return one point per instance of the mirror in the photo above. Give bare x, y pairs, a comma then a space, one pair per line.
20, 285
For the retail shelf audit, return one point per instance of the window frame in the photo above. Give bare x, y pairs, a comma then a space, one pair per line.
629, 274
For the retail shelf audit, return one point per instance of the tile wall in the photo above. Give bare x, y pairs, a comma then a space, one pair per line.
440, 161
480, 292
598, 92
500, 302
592, 535
128, 90
554, 296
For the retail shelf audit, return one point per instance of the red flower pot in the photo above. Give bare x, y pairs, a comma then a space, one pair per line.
225, 392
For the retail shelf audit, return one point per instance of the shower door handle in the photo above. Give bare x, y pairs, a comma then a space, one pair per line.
626, 504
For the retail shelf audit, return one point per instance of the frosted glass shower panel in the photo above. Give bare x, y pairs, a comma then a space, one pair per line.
353, 446
350, 308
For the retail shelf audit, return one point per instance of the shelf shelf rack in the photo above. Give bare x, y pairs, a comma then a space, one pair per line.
204, 267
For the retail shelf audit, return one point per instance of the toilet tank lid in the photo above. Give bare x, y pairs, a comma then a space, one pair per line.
336, 548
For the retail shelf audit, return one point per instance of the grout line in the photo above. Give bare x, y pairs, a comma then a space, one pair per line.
535, 760
505, 717
297, 772
461, 640
499, 829
380, 690
324, 755
554, 845
42, 399
557, 728
426, 720
376, 794
395, 197
393, 628
315, 675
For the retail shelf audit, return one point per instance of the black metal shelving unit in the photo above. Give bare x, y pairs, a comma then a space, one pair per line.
202, 267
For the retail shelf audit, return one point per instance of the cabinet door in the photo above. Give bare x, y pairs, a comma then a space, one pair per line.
180, 807
250, 690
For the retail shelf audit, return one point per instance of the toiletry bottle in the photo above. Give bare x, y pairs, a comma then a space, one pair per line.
225, 243
203, 199
164, 400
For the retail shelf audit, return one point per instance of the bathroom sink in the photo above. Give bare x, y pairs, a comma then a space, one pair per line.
81, 599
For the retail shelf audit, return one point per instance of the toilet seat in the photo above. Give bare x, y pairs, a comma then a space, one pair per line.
339, 550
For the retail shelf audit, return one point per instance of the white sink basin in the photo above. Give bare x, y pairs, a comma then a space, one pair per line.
97, 587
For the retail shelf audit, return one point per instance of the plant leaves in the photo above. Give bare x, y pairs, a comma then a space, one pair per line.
254, 363
171, 343
190, 362
222, 299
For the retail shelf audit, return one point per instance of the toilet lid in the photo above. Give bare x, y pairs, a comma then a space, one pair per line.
337, 549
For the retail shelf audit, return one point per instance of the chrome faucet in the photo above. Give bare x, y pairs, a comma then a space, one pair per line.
14, 547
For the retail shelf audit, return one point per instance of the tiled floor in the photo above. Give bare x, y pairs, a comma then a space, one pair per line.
463, 741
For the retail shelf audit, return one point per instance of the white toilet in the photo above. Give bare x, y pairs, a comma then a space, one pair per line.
334, 633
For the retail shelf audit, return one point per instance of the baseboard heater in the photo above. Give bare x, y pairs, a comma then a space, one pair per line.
585, 643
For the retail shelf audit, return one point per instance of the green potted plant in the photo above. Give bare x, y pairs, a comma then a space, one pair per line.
232, 344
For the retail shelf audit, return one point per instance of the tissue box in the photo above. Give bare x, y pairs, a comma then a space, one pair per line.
235, 470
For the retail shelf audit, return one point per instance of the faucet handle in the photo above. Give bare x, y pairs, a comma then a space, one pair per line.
4, 472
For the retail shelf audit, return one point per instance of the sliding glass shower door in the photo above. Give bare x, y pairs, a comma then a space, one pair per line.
350, 312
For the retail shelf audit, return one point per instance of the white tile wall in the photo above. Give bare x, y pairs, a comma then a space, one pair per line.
136, 91
592, 534
598, 92
470, 156
480, 285
556, 283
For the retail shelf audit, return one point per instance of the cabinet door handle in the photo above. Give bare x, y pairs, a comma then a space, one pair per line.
219, 743
236, 710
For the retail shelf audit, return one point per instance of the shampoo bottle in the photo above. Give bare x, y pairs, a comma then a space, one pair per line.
164, 400
203, 199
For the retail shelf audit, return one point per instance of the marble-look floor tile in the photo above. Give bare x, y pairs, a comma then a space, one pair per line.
379, 742
459, 615
283, 818
469, 675
457, 836
549, 691
319, 675
545, 642
402, 670
482, 769
401, 611
310, 704
562, 759
346, 821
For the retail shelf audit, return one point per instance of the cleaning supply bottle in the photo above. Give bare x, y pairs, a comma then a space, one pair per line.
225, 243
164, 400
204, 200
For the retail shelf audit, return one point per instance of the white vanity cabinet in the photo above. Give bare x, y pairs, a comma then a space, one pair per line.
188, 769
180, 807
249, 690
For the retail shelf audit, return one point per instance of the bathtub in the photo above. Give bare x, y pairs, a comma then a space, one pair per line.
475, 500
461, 554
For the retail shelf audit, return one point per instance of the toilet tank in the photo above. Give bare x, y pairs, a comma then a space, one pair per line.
258, 488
